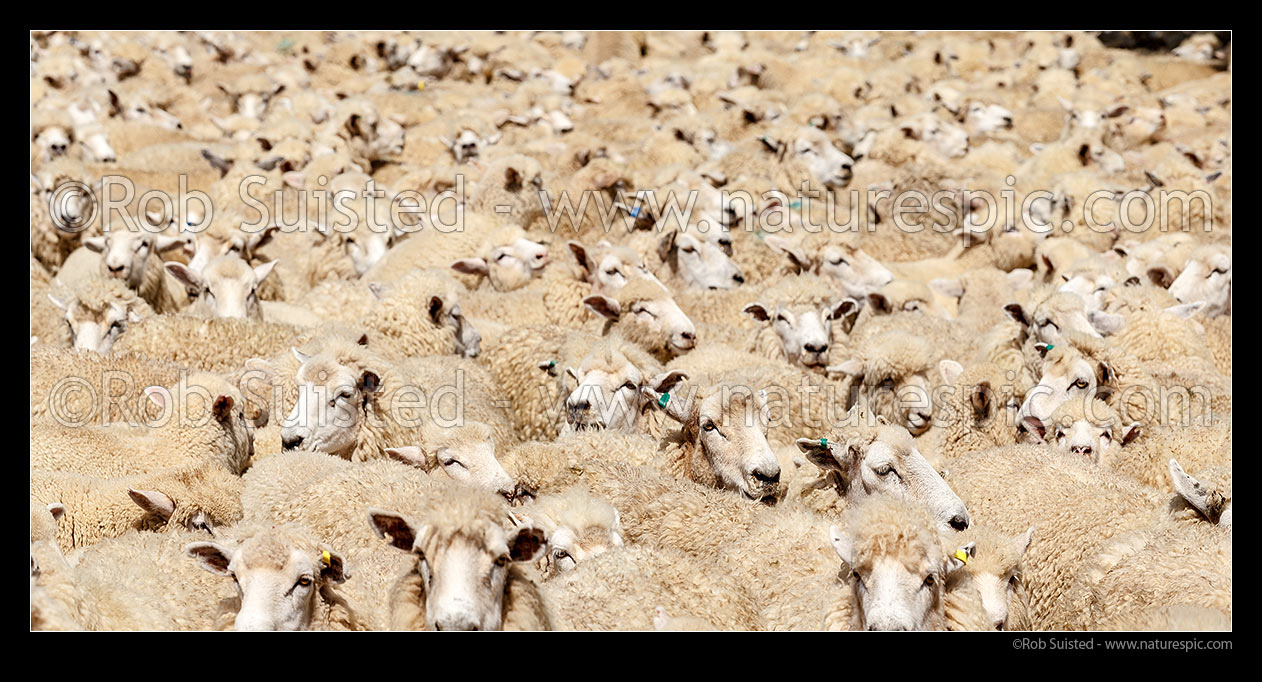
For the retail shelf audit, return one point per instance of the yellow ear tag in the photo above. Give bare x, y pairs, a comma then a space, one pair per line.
959, 554
326, 558
420, 85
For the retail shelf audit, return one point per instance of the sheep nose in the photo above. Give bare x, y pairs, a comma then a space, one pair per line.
765, 479
117, 270
688, 336
580, 405
291, 443
959, 522
739, 279
816, 348
999, 625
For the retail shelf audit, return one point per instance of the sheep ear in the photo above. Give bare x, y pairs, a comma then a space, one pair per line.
525, 542
295, 179
387, 523
1022, 540
166, 243
57, 509
211, 556
666, 381
950, 371
879, 303
96, 244
58, 302
471, 266
676, 407
666, 244
410, 455
549, 366
1185, 310
947, 286
222, 408
435, 308
262, 271
1015, 311
756, 311
841, 544
793, 252
980, 401
852, 367
369, 382
1130, 432
821, 453
158, 395
1191, 490
843, 309
1042, 348
332, 567
1106, 323
300, 356
580, 255
191, 280
604, 306
1160, 276
257, 240
153, 502
955, 563
1104, 373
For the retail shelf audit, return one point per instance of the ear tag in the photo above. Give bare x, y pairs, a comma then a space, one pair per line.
420, 85
1050, 346
961, 555
664, 399
823, 443
326, 558
635, 212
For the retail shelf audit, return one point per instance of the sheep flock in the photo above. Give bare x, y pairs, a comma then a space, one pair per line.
681, 330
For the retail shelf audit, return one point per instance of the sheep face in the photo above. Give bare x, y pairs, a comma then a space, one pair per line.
857, 273
996, 572
609, 392
125, 253
464, 571
1066, 376
889, 465
895, 380
1051, 319
828, 165
1084, 439
895, 587
95, 330
984, 118
54, 140
654, 320
70, 210
730, 428
567, 549
608, 269
227, 287
804, 330
277, 581
469, 460
330, 409
1206, 277
468, 145
508, 266
703, 260
944, 138
1090, 285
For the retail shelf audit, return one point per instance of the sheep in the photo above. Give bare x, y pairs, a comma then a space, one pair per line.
96, 312
855, 271
421, 315
59, 216
801, 311
465, 575
980, 411
1210, 499
128, 255
614, 382
202, 498
114, 385
579, 526
466, 453
896, 381
994, 567
1094, 430
504, 255
526, 363
508, 188
1206, 277
883, 460
895, 566
1104, 506
226, 287
285, 580
645, 313
203, 422
1157, 260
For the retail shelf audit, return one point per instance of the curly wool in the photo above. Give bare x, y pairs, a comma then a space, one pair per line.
122, 376
211, 345
399, 325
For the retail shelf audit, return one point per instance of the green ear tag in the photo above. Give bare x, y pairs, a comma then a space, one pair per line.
1050, 346
823, 443
552, 363
664, 399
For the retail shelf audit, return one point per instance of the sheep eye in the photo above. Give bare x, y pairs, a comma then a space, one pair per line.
454, 462
689, 249
929, 581
561, 554
1080, 384
782, 318
708, 426
304, 581
501, 560
1012, 581
1218, 271
630, 386
501, 257
887, 383
1049, 323
885, 470
611, 273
